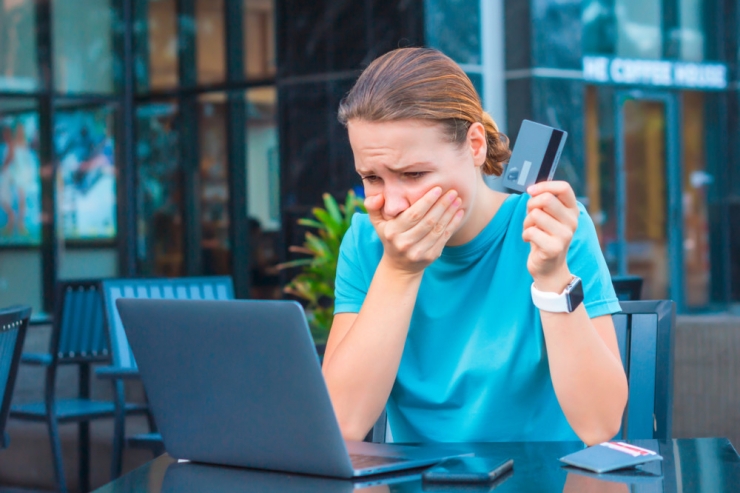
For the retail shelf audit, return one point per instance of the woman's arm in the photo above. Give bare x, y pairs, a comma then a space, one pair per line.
586, 369
364, 349
587, 372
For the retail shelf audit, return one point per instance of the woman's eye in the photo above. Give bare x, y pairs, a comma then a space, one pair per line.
414, 175
370, 179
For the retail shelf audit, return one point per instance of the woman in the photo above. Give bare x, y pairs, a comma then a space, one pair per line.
434, 290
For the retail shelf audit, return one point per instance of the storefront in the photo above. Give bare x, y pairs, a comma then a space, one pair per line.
643, 88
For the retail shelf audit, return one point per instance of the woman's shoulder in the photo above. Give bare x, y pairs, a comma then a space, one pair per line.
361, 234
361, 227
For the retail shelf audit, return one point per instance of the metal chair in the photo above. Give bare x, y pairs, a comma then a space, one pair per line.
628, 288
77, 338
645, 333
124, 365
13, 325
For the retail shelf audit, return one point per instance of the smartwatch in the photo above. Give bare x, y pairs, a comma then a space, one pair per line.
565, 302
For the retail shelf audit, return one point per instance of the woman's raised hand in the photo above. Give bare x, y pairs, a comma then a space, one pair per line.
551, 221
415, 238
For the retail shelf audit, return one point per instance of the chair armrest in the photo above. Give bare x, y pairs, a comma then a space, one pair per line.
38, 359
115, 373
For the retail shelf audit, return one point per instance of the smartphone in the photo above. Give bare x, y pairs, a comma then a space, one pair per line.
468, 470
535, 156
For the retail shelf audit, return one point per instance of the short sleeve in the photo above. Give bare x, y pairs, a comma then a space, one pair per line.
350, 287
586, 261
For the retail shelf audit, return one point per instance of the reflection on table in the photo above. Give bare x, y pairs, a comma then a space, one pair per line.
689, 465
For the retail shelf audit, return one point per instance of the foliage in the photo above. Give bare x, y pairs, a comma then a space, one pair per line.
315, 282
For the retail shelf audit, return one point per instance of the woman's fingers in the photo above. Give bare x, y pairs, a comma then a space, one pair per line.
544, 221
433, 221
431, 244
374, 206
548, 246
436, 250
553, 206
419, 209
561, 189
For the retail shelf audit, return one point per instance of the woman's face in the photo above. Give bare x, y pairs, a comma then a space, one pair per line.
403, 160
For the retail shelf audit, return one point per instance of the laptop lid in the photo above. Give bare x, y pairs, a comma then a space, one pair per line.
236, 383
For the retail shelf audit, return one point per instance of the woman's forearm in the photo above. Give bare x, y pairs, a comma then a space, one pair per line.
588, 377
360, 365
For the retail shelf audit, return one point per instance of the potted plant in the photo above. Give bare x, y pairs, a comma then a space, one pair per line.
315, 282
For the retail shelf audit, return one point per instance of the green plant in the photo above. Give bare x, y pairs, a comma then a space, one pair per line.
315, 282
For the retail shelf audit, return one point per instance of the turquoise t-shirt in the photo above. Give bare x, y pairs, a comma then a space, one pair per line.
474, 367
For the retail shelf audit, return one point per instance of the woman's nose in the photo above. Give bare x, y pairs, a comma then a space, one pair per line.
395, 203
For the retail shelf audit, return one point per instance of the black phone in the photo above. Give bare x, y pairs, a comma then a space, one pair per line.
468, 470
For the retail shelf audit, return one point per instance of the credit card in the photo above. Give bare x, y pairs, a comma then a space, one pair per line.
535, 156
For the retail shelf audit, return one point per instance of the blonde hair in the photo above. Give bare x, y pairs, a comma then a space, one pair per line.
424, 84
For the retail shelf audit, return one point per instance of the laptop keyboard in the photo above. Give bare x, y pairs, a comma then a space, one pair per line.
360, 461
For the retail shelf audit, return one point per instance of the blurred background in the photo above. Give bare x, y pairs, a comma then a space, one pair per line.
186, 137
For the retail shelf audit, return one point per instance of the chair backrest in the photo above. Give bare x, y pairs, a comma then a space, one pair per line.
628, 288
13, 325
79, 324
645, 333
182, 288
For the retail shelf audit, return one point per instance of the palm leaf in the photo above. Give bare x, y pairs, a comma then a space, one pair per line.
315, 281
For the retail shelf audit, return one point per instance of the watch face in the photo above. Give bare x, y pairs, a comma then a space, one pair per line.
575, 294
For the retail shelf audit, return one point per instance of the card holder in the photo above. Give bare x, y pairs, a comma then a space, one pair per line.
610, 456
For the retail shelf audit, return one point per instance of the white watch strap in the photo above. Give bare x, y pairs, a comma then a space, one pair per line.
549, 302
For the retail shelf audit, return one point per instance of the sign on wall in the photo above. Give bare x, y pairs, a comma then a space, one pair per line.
656, 73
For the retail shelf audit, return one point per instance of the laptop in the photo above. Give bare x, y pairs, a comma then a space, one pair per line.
239, 383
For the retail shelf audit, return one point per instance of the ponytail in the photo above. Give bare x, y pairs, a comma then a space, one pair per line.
498, 147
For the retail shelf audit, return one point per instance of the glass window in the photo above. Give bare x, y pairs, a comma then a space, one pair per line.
599, 26
85, 147
20, 179
601, 168
259, 39
623, 28
453, 27
696, 180
263, 179
83, 45
214, 192
159, 191
210, 35
18, 66
690, 31
157, 65
639, 28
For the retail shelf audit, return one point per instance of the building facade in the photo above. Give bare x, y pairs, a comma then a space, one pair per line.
648, 91
185, 137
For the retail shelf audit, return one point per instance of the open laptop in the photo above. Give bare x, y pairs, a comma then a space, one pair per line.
239, 383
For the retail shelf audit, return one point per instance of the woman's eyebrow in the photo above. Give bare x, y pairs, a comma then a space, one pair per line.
397, 169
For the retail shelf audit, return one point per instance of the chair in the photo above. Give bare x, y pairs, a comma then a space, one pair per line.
628, 288
77, 338
124, 365
645, 333
13, 325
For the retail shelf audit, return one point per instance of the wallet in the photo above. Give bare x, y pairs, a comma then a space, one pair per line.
610, 456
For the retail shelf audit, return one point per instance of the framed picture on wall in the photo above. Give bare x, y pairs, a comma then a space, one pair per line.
20, 182
86, 152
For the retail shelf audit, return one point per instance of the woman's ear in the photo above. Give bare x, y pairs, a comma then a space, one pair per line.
478, 143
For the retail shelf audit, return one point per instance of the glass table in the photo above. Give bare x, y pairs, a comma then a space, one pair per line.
688, 465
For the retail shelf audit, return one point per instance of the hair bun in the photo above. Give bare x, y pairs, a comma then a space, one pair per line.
498, 151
